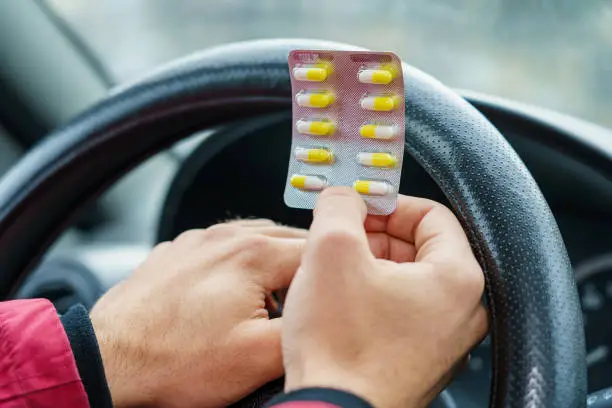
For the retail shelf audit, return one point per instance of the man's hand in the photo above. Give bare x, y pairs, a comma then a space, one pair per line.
386, 310
189, 328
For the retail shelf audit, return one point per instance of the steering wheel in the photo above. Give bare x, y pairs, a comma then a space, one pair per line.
536, 321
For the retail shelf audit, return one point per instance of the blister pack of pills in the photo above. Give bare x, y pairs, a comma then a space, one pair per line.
348, 126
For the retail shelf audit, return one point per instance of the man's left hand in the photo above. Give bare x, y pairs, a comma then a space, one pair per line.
190, 327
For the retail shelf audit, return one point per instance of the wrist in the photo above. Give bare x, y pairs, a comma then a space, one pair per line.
126, 388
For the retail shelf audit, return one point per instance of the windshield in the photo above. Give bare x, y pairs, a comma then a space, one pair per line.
553, 53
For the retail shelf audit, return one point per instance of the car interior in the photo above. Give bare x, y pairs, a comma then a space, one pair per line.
125, 123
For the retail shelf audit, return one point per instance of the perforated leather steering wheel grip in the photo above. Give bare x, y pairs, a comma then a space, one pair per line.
538, 340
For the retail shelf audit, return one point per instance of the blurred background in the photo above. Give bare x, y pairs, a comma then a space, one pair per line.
553, 53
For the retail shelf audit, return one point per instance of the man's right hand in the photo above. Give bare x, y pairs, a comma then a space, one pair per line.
383, 307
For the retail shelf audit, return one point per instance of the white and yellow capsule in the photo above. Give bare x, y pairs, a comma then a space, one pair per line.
316, 99
311, 73
380, 102
375, 76
308, 183
375, 131
386, 160
373, 188
314, 156
315, 127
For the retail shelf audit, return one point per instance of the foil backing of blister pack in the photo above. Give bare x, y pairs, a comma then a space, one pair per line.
348, 126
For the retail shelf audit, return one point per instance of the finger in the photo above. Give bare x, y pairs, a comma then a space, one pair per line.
190, 237
403, 222
278, 262
464, 363
339, 208
479, 325
160, 249
280, 231
270, 228
252, 222
377, 223
219, 233
447, 378
433, 228
384, 246
337, 231
261, 351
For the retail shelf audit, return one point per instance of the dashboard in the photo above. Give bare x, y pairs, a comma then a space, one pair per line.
239, 171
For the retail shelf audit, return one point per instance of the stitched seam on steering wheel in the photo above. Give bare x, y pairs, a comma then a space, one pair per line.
480, 255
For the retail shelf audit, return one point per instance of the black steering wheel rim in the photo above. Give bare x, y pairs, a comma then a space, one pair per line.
538, 339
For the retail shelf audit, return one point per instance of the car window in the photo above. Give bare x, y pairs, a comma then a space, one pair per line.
554, 53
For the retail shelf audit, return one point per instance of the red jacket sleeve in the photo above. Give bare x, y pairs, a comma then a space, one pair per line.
37, 368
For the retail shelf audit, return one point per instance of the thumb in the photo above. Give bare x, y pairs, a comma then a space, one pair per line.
268, 356
337, 232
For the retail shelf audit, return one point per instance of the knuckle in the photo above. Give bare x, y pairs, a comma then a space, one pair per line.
189, 235
252, 250
473, 280
478, 326
253, 221
465, 280
482, 323
159, 251
442, 209
253, 245
223, 230
162, 246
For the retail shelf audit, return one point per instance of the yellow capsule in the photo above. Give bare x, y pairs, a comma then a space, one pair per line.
310, 73
374, 131
380, 102
309, 183
320, 99
315, 127
372, 188
315, 156
377, 159
375, 76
